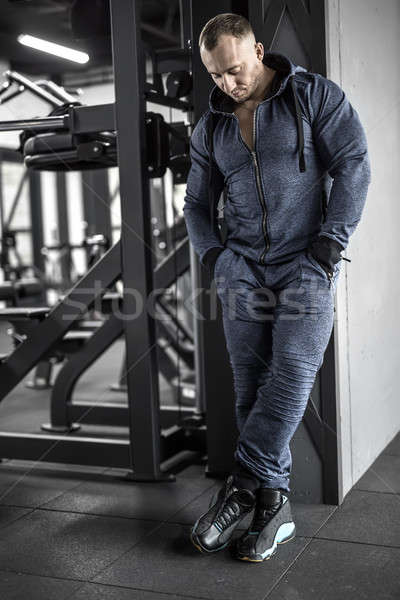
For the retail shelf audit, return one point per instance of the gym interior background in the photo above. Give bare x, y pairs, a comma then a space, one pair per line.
111, 427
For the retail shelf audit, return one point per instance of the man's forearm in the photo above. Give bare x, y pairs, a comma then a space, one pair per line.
200, 233
346, 203
347, 199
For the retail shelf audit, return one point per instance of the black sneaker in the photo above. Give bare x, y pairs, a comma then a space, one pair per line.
272, 525
214, 529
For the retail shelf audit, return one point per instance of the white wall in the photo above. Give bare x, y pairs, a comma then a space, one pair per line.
363, 53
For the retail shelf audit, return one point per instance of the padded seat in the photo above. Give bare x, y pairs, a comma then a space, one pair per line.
63, 151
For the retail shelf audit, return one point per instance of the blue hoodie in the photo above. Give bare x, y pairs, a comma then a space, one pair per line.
308, 142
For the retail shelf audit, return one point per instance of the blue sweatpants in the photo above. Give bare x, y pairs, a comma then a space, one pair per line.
277, 322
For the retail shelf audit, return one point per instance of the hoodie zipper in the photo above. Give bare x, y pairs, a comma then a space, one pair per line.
260, 194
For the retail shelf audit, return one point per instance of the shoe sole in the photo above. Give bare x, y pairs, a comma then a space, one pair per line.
285, 532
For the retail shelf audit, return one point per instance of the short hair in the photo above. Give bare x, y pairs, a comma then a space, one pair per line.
224, 24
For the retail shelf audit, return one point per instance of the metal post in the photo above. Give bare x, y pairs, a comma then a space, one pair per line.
35, 198
63, 227
215, 392
96, 201
137, 253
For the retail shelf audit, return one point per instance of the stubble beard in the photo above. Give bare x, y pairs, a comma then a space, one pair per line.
246, 95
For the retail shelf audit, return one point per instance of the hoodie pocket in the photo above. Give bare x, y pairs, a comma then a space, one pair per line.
219, 259
238, 192
317, 265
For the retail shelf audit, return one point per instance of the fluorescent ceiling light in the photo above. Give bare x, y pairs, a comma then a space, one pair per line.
51, 48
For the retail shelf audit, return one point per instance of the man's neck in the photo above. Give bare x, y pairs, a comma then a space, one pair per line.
267, 85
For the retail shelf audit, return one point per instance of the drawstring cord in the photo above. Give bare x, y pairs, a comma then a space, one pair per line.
300, 131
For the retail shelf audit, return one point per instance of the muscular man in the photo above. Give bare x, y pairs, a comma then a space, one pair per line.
284, 141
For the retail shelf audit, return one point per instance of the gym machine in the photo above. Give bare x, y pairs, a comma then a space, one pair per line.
22, 281
92, 137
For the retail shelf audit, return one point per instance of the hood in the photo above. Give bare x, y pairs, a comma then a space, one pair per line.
221, 103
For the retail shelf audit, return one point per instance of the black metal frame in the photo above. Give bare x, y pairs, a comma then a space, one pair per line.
147, 444
96, 202
6, 220
64, 411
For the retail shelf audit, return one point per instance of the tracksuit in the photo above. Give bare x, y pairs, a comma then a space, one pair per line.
291, 206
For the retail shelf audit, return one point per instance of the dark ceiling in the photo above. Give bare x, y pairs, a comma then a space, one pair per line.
80, 24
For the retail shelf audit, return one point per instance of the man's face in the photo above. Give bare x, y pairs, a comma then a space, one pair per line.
235, 66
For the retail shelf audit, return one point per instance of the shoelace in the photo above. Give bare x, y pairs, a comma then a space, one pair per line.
229, 512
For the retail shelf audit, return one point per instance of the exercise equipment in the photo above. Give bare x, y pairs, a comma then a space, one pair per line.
44, 330
25, 280
93, 245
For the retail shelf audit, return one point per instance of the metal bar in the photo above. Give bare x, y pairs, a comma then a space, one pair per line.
175, 264
213, 370
11, 95
19, 230
57, 91
9, 155
16, 200
42, 376
76, 365
115, 414
96, 202
90, 119
41, 124
185, 12
35, 199
163, 305
63, 226
45, 335
154, 96
69, 450
98, 451
35, 89
141, 348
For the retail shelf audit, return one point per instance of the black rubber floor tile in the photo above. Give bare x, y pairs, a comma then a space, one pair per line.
309, 518
67, 545
365, 517
95, 591
394, 446
382, 476
328, 570
116, 496
167, 562
198, 505
31, 487
18, 586
8, 514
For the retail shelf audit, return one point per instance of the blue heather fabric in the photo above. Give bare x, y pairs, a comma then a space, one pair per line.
336, 157
277, 313
277, 322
